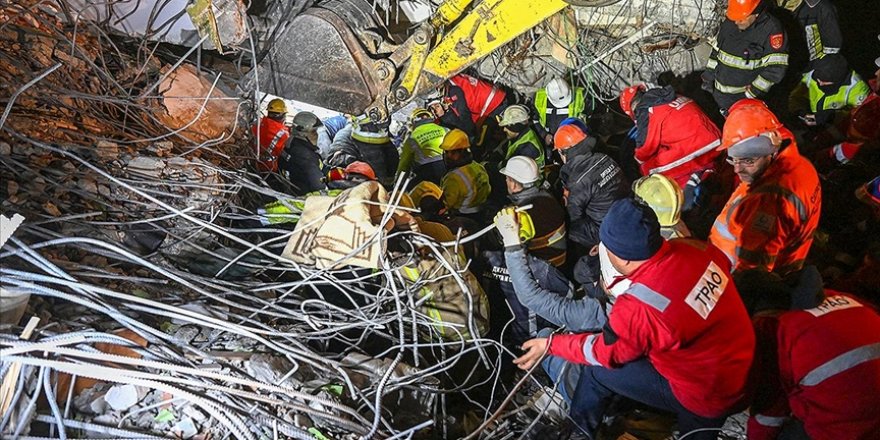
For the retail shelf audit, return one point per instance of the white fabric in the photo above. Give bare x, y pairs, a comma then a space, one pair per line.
615, 282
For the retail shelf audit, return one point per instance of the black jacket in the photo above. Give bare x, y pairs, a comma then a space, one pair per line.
594, 181
383, 158
747, 63
301, 164
548, 217
821, 28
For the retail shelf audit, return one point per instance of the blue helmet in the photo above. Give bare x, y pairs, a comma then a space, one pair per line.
577, 122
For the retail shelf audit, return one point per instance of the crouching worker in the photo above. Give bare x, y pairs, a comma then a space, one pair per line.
681, 343
817, 370
541, 294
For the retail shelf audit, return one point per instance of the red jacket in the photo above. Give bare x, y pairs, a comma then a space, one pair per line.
482, 97
821, 365
272, 139
681, 140
692, 326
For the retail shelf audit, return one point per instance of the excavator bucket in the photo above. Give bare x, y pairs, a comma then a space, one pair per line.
318, 59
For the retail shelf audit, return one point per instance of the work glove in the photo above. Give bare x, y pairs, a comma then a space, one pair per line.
508, 226
708, 83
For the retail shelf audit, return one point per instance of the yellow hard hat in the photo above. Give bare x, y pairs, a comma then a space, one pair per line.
277, 106
455, 139
419, 114
663, 195
423, 189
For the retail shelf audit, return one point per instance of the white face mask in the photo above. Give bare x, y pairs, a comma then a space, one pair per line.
615, 282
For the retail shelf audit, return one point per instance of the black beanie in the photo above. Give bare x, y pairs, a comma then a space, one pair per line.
831, 68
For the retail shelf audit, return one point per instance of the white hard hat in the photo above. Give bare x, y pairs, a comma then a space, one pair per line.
515, 114
559, 93
523, 169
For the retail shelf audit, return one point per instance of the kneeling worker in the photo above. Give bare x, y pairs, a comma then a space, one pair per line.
466, 185
682, 343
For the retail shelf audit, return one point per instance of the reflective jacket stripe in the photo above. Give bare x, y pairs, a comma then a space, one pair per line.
841, 363
743, 64
769, 421
588, 350
648, 296
730, 90
466, 207
761, 83
486, 104
705, 149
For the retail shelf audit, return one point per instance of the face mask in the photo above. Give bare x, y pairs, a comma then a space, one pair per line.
615, 282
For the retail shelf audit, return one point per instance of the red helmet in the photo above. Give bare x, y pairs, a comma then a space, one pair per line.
361, 168
627, 96
740, 9
748, 118
568, 136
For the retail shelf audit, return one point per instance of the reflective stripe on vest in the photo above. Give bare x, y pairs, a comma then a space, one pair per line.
730, 90
839, 100
426, 143
575, 107
428, 296
703, 150
271, 148
529, 138
841, 363
466, 207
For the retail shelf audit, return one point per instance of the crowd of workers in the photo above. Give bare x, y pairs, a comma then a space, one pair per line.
701, 325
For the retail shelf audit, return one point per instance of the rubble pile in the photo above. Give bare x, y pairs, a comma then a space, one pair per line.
158, 307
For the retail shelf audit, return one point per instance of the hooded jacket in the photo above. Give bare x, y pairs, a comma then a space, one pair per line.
675, 137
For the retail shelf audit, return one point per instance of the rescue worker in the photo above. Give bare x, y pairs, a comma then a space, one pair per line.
592, 182
542, 293
818, 18
466, 185
521, 139
555, 103
752, 54
471, 105
272, 136
421, 151
428, 197
665, 198
674, 137
680, 343
828, 92
547, 215
818, 370
369, 142
301, 162
769, 220
354, 174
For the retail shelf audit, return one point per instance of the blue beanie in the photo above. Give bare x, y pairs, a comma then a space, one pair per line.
630, 230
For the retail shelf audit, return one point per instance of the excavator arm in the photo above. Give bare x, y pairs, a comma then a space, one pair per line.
330, 56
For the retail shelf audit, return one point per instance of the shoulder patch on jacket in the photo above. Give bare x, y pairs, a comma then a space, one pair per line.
776, 40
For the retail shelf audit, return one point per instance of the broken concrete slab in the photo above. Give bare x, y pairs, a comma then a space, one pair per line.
196, 105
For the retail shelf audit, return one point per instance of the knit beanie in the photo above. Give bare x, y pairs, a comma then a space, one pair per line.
831, 68
630, 230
